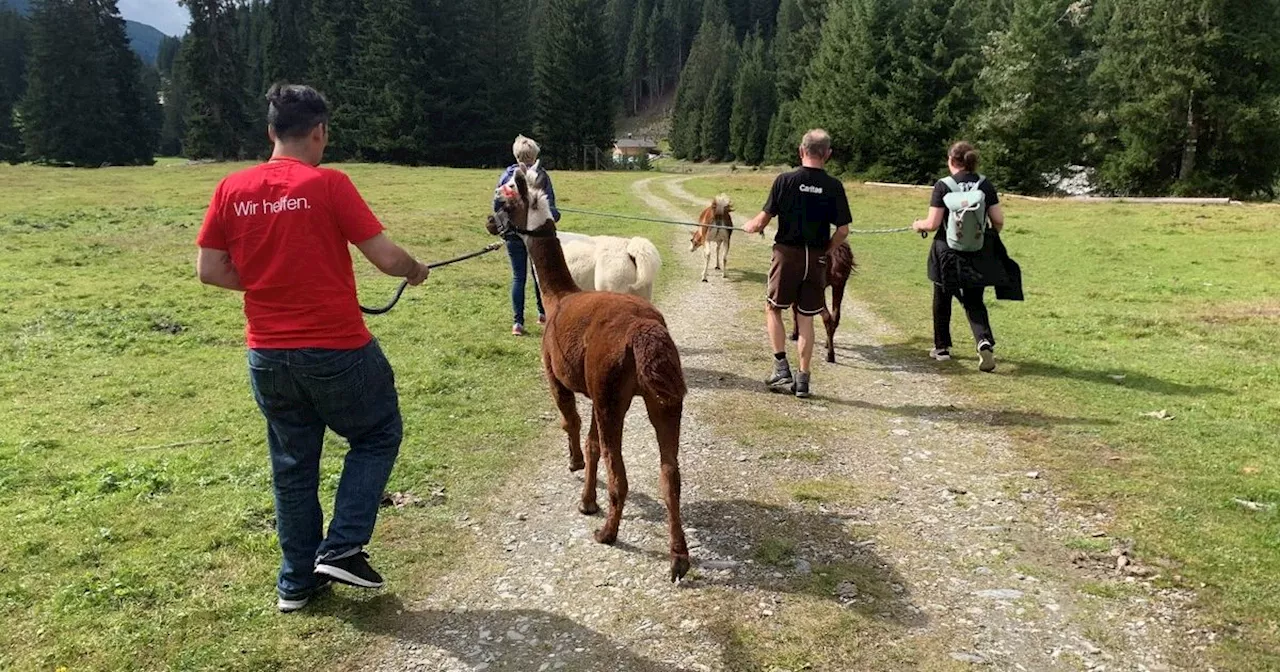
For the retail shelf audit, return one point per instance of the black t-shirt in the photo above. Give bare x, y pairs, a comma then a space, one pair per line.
940, 191
807, 203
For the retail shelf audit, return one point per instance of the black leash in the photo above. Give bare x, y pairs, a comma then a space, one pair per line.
396, 299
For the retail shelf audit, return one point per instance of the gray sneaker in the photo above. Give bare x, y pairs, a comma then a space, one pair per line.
801, 388
986, 357
781, 380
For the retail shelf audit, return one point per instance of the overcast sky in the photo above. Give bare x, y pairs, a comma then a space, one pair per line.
163, 14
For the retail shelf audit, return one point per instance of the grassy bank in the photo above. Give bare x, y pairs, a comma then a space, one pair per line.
135, 494
1131, 310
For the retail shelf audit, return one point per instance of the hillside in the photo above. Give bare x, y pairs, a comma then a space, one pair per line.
144, 39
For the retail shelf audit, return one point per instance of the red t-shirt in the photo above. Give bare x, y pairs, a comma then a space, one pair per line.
286, 225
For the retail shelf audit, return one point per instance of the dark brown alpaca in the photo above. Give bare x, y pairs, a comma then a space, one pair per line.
841, 267
610, 348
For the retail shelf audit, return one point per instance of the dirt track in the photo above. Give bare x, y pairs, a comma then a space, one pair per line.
885, 499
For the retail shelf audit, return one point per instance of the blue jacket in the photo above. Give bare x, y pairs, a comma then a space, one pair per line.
550, 191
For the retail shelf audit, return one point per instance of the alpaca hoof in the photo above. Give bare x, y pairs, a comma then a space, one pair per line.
679, 567
576, 466
704, 279
604, 537
588, 508
831, 358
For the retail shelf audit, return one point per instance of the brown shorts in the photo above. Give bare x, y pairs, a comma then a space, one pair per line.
798, 277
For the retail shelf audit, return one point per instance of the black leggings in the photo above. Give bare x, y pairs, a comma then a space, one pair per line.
974, 308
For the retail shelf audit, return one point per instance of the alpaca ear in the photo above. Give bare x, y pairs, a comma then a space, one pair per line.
522, 185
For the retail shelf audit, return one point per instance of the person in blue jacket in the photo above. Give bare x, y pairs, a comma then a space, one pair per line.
526, 154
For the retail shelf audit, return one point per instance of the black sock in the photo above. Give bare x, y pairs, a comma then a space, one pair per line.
780, 356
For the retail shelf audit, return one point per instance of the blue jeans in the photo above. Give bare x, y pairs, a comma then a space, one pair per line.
302, 392
519, 271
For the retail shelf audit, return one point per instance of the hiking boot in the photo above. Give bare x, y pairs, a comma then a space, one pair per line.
781, 379
940, 354
801, 388
517, 329
353, 570
986, 357
288, 605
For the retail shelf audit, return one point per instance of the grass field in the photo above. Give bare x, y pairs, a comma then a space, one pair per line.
134, 488
135, 498
1131, 309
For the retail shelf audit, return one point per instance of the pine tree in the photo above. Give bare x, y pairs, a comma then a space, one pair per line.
845, 79
696, 78
573, 82
1034, 95
85, 106
718, 108
1188, 95
214, 70
783, 136
253, 34
286, 44
392, 68
929, 88
13, 81
754, 100
799, 31
332, 69
173, 129
636, 68
503, 108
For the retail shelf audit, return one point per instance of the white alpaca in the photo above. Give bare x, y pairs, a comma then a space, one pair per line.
603, 263
612, 264
717, 229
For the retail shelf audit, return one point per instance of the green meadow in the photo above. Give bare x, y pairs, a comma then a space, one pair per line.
135, 491
1131, 310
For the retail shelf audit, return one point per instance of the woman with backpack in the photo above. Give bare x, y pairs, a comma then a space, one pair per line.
526, 154
963, 260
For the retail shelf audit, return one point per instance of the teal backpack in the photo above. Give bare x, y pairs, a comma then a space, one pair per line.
967, 221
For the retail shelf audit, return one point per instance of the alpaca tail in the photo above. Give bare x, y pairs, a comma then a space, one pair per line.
648, 262
658, 369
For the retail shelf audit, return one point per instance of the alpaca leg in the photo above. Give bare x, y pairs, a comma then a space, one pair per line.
717, 254
666, 423
588, 506
832, 319
571, 422
724, 265
609, 421
706, 264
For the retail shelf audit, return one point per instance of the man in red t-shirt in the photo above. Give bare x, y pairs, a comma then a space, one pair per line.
279, 232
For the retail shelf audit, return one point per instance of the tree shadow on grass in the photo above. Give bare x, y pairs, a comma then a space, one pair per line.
744, 544
723, 380
913, 354
518, 640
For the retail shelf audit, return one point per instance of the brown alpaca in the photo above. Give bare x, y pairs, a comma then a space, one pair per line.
610, 348
717, 228
842, 266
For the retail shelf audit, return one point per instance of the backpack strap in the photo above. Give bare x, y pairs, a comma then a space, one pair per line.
951, 183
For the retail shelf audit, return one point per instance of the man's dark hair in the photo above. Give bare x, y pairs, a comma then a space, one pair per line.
293, 110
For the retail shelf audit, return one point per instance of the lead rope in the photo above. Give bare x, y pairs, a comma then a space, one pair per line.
439, 264
708, 226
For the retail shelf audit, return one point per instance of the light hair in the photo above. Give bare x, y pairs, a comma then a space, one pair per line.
817, 142
525, 150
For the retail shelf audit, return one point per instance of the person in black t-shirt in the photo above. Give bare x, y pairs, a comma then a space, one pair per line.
808, 203
962, 275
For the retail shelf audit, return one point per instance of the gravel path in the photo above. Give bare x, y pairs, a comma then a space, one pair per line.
885, 496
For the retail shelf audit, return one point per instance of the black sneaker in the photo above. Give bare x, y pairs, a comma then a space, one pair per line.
353, 570
986, 357
801, 388
780, 381
288, 605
